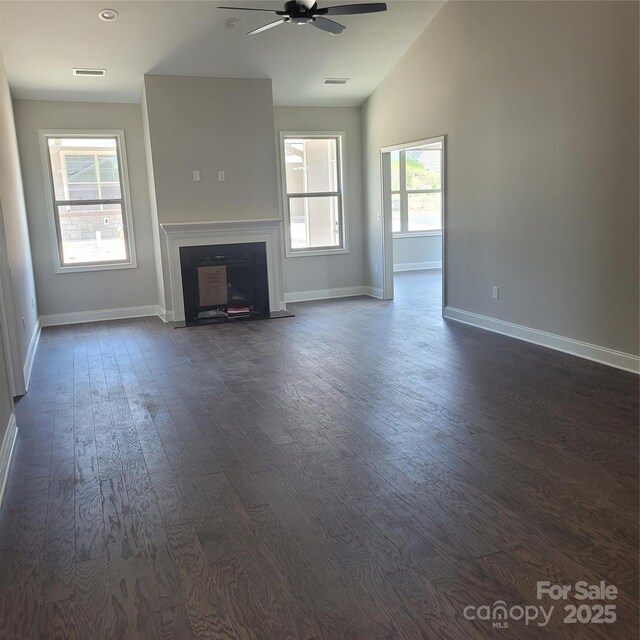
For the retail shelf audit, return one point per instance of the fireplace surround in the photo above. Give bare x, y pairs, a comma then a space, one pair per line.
194, 234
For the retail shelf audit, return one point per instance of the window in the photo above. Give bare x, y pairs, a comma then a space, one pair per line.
313, 193
86, 179
416, 190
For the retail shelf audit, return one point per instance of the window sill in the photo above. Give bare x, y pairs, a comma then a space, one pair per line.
309, 253
95, 267
418, 234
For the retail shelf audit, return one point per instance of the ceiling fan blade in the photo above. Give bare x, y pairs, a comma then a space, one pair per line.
352, 9
268, 26
280, 13
328, 25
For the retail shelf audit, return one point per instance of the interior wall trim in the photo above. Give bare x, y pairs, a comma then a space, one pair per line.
6, 453
603, 355
326, 294
99, 315
374, 292
31, 352
164, 315
417, 266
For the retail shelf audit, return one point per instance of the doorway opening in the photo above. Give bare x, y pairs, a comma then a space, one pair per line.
413, 203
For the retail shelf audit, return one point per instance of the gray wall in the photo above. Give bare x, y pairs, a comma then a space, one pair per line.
340, 270
539, 103
211, 125
6, 401
418, 249
91, 290
208, 125
15, 224
162, 277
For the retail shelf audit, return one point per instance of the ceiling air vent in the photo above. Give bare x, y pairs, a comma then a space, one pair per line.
96, 73
336, 80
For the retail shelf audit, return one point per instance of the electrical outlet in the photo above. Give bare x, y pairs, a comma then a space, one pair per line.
496, 293
196, 176
377, 268
220, 176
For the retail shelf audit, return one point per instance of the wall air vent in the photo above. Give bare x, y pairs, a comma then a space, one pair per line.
95, 73
336, 80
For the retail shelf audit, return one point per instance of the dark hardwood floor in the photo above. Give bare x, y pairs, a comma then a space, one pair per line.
361, 471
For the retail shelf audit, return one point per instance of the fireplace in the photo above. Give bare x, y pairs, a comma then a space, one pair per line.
224, 282
181, 236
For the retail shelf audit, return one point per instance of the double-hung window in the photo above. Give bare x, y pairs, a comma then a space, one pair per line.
313, 193
416, 190
89, 199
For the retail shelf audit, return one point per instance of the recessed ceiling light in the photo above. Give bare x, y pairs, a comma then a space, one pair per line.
231, 23
108, 15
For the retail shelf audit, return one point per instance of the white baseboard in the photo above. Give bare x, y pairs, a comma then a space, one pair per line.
373, 292
99, 315
164, 315
6, 453
578, 348
31, 352
326, 294
417, 266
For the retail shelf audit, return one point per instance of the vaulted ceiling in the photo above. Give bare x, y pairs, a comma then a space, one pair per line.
41, 42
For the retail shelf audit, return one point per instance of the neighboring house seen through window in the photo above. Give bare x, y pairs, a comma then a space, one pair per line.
89, 200
313, 193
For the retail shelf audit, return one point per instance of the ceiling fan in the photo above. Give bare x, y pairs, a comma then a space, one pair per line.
308, 12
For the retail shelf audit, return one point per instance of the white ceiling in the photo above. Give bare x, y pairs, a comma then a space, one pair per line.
42, 41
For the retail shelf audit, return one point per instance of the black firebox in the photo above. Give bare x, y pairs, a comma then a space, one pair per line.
224, 282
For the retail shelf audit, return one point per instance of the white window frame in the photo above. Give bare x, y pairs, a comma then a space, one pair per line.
403, 192
341, 193
54, 225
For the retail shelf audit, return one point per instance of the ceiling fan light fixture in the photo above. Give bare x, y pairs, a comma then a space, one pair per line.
108, 15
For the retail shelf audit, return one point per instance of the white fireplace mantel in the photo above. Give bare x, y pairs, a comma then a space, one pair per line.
193, 234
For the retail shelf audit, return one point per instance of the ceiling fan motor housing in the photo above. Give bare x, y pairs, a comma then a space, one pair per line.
299, 13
